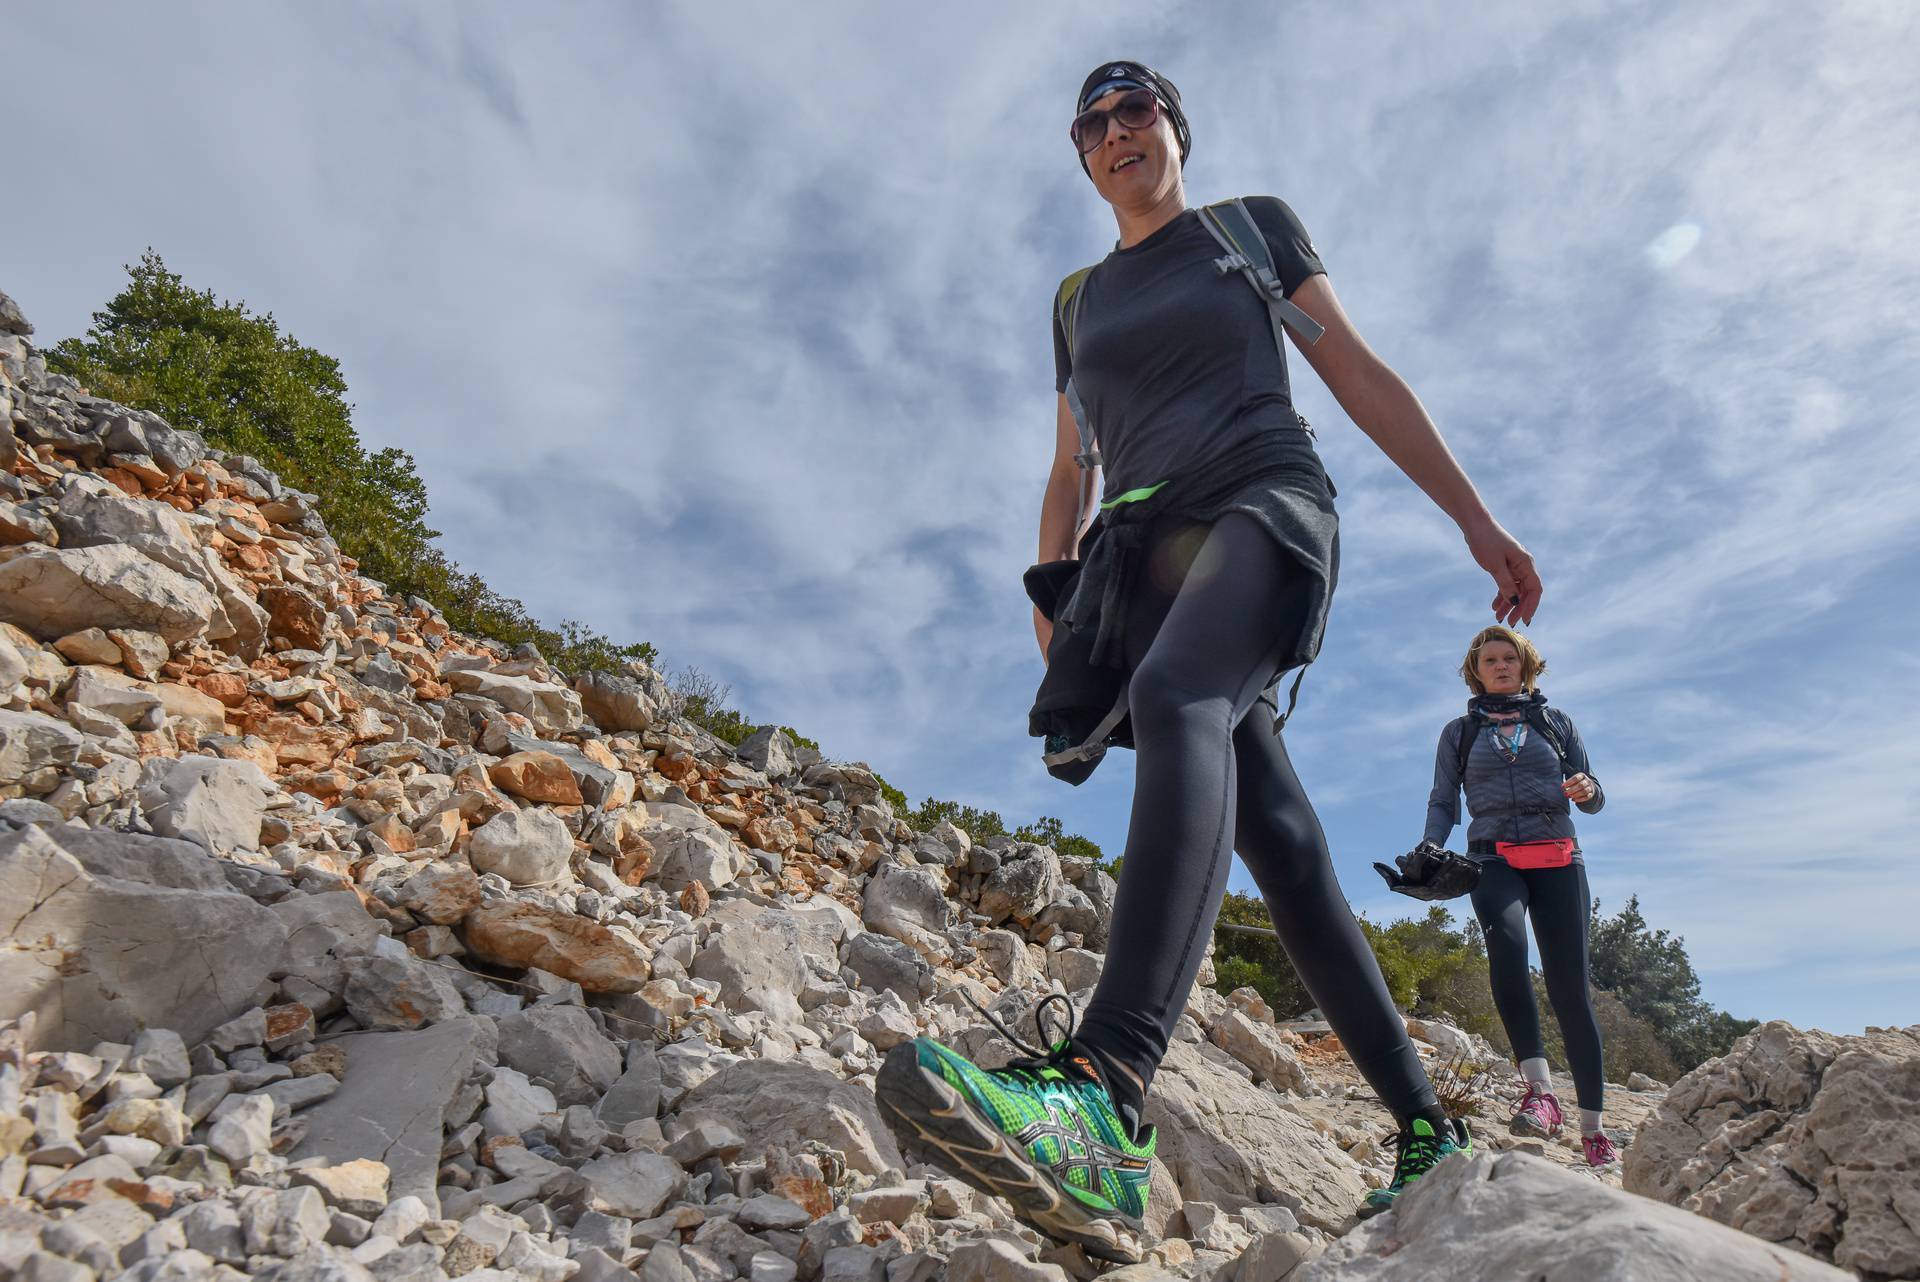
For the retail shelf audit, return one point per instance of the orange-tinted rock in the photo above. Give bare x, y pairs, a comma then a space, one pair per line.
288, 1025
537, 776
635, 858
572, 947
228, 687
396, 834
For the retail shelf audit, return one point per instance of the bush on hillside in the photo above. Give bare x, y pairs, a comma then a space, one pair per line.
1437, 969
213, 367
1650, 972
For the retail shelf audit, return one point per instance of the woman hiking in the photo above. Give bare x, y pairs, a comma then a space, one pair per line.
1521, 763
1207, 575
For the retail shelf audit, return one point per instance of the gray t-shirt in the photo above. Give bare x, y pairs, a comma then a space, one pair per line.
1174, 362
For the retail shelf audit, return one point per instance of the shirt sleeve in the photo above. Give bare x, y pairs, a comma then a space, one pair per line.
1577, 758
1294, 256
1062, 358
1443, 803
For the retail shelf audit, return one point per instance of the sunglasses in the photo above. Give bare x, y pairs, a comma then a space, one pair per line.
1137, 110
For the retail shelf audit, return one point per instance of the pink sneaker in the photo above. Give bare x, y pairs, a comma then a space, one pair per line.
1539, 1114
1600, 1150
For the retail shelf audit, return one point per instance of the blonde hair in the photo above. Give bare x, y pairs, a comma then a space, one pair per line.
1531, 664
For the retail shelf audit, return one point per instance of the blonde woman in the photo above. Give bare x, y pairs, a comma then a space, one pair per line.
1523, 768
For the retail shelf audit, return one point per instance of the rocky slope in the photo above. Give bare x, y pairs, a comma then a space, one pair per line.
335, 944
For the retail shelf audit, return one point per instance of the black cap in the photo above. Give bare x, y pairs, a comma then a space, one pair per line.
1122, 74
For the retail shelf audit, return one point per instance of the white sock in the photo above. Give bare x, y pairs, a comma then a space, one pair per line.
1589, 1121
1536, 1074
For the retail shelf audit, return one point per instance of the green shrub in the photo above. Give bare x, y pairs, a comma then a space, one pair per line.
215, 368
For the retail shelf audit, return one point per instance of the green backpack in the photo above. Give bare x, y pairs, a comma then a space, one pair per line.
1232, 225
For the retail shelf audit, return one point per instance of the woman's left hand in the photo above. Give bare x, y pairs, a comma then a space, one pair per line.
1580, 787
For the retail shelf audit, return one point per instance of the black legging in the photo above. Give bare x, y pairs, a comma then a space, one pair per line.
1219, 605
1557, 900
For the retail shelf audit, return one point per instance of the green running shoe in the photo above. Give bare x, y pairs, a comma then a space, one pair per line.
1041, 1133
1420, 1150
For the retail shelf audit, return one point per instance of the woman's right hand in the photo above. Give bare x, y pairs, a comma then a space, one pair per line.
1042, 631
1500, 555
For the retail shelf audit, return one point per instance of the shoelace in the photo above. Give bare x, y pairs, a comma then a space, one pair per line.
1533, 1093
1034, 1058
1414, 1148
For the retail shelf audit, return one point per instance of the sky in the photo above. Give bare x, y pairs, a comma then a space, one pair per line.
726, 327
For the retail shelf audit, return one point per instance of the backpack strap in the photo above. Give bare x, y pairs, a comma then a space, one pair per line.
1066, 310
1541, 719
1469, 731
1233, 227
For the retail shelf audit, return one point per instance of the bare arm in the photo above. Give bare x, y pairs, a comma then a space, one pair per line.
1060, 509
1385, 408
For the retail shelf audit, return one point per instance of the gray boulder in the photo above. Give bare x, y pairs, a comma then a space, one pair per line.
394, 1103
1026, 882
1498, 1216
636, 1093
615, 703
755, 955
909, 904
112, 933
31, 742
212, 802
562, 1045
785, 1105
1228, 1142
1801, 1138
880, 962
57, 591
770, 750
401, 992
529, 847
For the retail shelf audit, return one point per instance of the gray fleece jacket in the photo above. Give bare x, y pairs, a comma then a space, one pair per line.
1517, 800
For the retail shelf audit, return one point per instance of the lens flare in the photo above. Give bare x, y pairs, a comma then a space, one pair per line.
1673, 244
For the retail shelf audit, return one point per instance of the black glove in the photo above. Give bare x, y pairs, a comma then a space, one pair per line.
1427, 872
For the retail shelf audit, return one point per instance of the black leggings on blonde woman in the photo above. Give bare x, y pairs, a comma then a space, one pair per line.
1209, 617
1557, 901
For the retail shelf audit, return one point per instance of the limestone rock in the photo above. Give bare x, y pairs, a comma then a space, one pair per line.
633, 1185
401, 992
441, 893
754, 954
785, 1105
187, 952
1801, 1138
1229, 1142
884, 963
562, 1045
615, 703
1262, 1048
910, 905
31, 742
528, 847
57, 591
564, 944
536, 776
214, 803
394, 1102
1498, 1216
770, 750
1023, 886
550, 707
